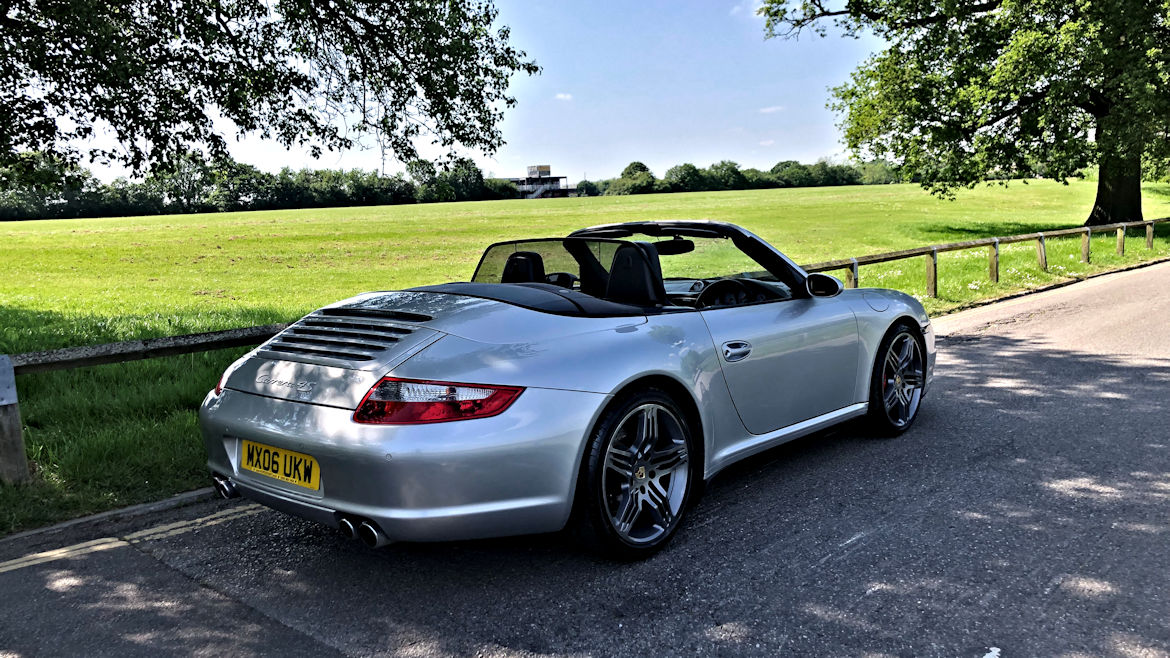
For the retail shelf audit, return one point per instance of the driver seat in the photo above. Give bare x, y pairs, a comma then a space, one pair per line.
635, 278
523, 267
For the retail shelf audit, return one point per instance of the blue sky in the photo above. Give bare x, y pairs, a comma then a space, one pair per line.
663, 82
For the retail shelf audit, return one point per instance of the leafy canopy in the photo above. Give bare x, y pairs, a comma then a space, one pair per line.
163, 78
970, 90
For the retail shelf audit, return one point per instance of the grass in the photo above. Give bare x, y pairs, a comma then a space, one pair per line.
108, 436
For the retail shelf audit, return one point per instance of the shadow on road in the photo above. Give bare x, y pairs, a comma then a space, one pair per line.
1027, 511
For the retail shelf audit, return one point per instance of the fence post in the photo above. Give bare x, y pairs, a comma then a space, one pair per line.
1042, 253
851, 275
993, 262
1085, 245
932, 273
1121, 241
1150, 235
13, 461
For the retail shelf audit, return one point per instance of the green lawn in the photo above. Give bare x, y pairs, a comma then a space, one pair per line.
115, 435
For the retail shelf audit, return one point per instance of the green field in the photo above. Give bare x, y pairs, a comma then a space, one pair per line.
115, 435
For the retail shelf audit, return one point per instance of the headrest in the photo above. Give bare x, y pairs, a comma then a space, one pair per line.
635, 277
523, 267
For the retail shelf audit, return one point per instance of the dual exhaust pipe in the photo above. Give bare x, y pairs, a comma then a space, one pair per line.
364, 531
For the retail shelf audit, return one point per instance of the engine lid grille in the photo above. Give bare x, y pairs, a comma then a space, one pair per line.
350, 337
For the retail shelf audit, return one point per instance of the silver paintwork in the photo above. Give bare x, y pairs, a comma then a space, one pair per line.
809, 367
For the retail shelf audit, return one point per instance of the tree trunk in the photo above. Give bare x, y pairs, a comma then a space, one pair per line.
1119, 187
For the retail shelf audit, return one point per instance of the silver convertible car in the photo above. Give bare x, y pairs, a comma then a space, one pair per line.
594, 381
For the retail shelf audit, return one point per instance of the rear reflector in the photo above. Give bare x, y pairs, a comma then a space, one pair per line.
394, 401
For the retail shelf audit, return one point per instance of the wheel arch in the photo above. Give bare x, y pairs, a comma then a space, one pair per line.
680, 393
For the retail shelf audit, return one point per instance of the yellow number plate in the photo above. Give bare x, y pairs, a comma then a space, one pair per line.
285, 465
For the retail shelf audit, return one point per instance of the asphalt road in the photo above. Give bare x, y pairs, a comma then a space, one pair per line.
1027, 514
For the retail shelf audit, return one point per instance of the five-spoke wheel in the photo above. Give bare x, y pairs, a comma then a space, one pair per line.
899, 380
639, 476
646, 472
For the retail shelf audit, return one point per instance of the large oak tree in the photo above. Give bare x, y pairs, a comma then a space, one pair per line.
971, 90
160, 75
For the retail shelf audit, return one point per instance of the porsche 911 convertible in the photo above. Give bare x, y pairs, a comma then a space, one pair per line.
593, 381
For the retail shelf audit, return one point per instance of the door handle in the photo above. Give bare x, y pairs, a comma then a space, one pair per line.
736, 350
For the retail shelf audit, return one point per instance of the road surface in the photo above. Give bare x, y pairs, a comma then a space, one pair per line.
1027, 514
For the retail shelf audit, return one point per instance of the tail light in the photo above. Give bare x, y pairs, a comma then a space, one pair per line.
394, 401
228, 372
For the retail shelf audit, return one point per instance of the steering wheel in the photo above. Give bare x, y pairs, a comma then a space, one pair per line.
562, 279
724, 292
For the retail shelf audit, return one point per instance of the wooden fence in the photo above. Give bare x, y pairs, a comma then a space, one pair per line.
850, 265
14, 464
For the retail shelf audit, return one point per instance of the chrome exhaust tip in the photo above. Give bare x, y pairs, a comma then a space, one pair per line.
225, 487
371, 536
347, 529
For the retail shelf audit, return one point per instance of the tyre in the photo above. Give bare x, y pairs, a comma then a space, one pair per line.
898, 381
638, 477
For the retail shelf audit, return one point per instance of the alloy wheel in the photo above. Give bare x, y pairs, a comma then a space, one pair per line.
903, 379
646, 468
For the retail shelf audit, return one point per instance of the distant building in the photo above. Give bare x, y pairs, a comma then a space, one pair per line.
540, 183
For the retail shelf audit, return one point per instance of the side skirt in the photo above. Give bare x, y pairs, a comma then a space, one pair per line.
762, 442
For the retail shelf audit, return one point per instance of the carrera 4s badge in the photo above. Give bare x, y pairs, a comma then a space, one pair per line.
303, 387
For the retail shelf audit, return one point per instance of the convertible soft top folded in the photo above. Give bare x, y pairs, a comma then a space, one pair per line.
544, 297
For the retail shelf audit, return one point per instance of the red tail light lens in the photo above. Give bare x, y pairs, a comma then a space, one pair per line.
395, 401
222, 380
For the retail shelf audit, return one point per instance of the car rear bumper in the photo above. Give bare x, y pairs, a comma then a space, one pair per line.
509, 474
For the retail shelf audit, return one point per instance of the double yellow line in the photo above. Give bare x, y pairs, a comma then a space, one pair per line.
150, 534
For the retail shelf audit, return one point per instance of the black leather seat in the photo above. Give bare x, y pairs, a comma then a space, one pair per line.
523, 267
635, 277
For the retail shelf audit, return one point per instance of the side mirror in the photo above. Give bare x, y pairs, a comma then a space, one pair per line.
823, 285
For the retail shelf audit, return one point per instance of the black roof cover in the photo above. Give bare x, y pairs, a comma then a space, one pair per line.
543, 297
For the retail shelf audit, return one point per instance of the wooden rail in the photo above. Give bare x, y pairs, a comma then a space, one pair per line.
851, 265
14, 465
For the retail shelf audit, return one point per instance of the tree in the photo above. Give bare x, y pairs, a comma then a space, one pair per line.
758, 180
635, 168
41, 185
587, 188
790, 173
878, 172
988, 89
500, 188
825, 174
304, 73
238, 186
465, 180
685, 177
725, 175
641, 182
186, 185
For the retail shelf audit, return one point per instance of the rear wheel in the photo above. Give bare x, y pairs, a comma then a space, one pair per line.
899, 380
638, 478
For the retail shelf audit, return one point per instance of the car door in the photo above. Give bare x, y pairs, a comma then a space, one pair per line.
786, 361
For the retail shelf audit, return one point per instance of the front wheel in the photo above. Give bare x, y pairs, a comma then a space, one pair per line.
638, 477
899, 380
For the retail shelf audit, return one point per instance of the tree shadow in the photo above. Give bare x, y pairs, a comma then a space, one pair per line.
1025, 511
942, 232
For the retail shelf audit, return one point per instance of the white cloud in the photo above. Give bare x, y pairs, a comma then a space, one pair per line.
747, 8
771, 108
767, 142
563, 97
